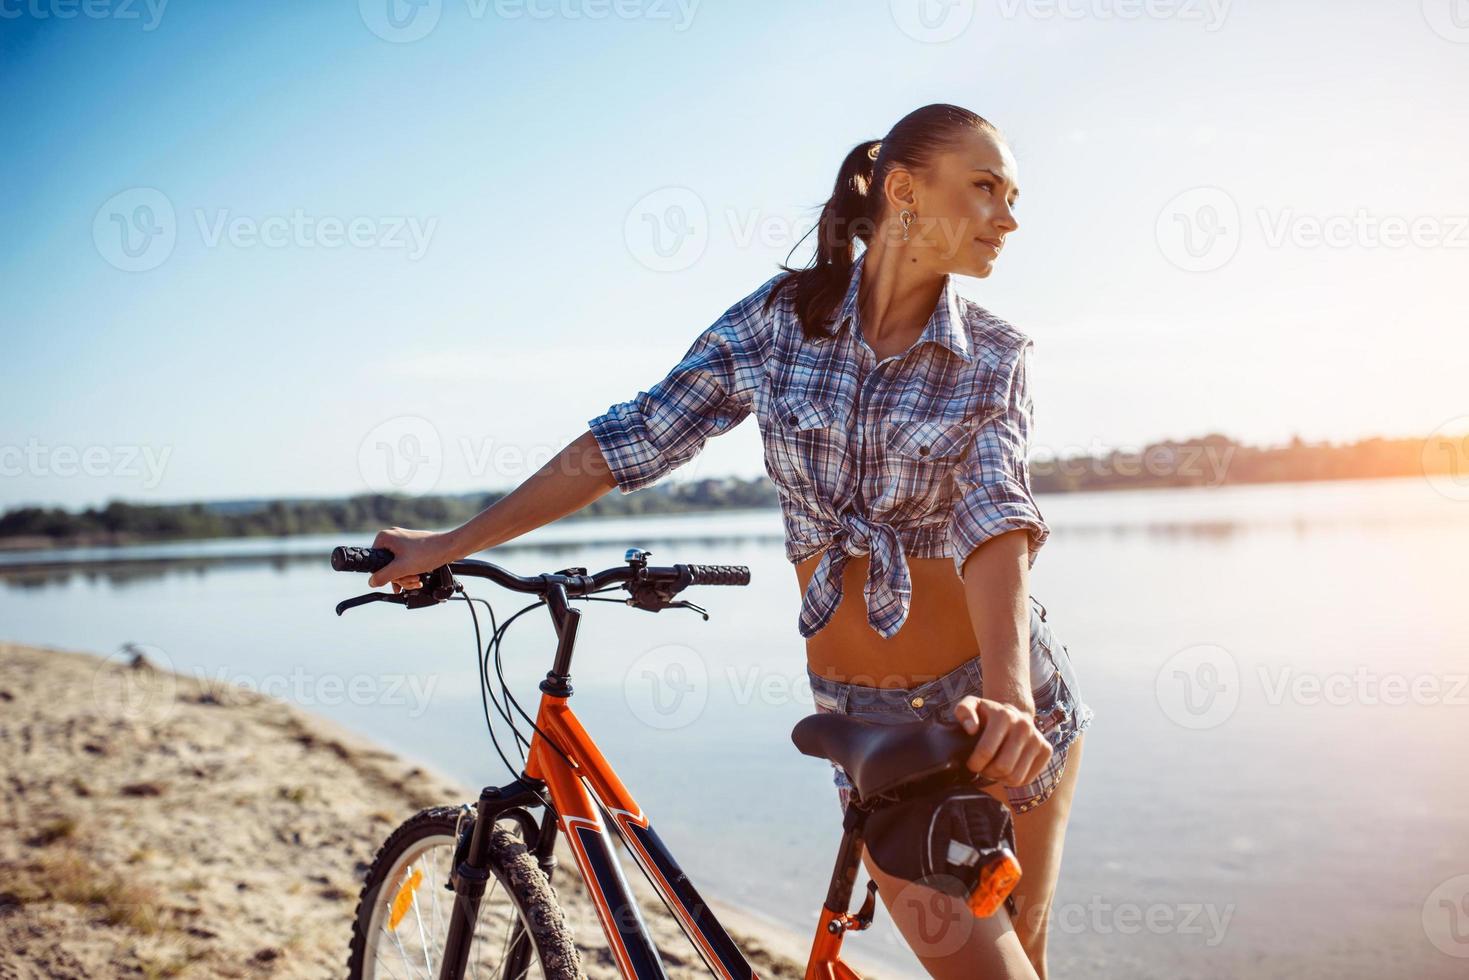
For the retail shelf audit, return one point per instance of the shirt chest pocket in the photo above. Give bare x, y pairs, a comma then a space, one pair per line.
921, 457
801, 441
928, 440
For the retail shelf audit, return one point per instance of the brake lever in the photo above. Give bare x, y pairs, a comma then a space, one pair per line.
686, 604
438, 586
363, 600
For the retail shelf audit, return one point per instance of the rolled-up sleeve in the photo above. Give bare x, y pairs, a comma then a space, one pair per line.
707, 393
992, 481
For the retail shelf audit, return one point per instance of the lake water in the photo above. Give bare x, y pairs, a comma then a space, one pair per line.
1275, 784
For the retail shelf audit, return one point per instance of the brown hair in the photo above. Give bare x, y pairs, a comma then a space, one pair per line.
851, 215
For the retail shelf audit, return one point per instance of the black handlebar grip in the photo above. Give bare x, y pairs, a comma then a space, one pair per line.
360, 559
719, 575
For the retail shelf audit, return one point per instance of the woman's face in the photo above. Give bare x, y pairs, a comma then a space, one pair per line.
965, 207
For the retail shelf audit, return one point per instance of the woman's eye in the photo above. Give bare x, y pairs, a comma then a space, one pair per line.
987, 184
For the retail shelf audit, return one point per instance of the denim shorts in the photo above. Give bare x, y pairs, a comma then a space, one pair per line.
1061, 715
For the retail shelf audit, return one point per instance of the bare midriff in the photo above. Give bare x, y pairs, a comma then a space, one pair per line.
936, 637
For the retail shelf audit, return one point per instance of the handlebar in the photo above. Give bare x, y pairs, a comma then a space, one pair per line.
652, 588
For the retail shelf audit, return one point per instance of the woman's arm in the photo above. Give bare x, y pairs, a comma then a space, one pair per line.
997, 593
569, 481
994, 561
1010, 750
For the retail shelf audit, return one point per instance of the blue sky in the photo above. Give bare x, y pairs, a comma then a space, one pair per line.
361, 237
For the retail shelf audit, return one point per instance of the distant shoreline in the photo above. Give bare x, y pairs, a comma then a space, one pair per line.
1207, 463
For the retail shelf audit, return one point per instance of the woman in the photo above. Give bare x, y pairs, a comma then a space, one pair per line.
895, 416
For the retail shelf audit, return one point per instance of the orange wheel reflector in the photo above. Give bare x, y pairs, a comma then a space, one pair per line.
404, 898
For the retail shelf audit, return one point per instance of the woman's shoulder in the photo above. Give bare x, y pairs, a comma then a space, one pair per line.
990, 333
753, 320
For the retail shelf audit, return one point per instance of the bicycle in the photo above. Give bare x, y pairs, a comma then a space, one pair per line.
905, 776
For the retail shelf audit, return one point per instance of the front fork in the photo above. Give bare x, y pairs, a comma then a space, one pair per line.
472, 873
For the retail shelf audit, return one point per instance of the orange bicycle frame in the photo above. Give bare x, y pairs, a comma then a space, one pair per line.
564, 757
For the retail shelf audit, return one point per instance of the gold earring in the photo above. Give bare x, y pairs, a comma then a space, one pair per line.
907, 219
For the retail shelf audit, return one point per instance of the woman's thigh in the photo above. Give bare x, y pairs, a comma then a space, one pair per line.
949, 939
1040, 836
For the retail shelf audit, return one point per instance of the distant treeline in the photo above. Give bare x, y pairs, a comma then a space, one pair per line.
1207, 462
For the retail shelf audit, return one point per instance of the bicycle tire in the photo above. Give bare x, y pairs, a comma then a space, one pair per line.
511, 864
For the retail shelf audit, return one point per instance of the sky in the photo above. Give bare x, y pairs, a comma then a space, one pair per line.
317, 249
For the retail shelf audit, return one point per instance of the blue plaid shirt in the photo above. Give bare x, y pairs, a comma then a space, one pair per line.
921, 454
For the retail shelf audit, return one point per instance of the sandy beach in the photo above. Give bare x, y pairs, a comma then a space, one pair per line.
156, 828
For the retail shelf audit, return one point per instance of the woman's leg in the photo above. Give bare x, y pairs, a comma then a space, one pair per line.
951, 941
1039, 836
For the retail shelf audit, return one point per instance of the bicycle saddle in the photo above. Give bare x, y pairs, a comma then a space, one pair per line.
879, 758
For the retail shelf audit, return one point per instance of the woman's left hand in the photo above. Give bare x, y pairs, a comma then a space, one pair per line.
1010, 750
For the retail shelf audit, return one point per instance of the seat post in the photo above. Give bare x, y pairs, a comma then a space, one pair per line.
849, 856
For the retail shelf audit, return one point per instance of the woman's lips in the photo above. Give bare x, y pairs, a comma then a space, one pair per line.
992, 243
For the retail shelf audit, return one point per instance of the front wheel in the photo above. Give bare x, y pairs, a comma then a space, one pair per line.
404, 912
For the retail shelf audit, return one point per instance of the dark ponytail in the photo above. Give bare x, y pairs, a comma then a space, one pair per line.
853, 213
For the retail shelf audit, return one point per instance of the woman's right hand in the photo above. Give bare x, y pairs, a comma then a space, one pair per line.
1011, 750
414, 553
